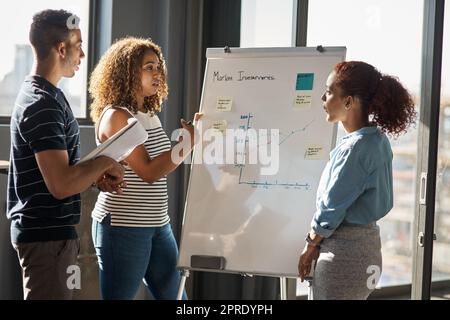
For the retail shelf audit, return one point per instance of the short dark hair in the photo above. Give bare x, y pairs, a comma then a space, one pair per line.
49, 27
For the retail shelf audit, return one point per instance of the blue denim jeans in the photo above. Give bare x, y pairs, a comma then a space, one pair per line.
128, 255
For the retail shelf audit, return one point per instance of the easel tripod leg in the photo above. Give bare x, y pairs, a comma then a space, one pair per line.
182, 284
283, 288
310, 289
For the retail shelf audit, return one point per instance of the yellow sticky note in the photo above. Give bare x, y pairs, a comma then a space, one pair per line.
302, 100
220, 125
314, 153
224, 104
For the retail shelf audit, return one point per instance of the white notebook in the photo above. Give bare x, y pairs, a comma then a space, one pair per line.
122, 143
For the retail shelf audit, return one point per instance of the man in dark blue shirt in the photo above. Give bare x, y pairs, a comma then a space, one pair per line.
44, 179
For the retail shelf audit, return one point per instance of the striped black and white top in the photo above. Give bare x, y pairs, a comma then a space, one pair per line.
41, 120
142, 204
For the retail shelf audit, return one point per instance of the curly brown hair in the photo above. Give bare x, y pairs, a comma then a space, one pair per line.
384, 99
116, 79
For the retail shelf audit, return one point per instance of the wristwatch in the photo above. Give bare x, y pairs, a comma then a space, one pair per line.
311, 242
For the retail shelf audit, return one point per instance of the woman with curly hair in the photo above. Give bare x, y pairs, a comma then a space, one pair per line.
355, 189
131, 232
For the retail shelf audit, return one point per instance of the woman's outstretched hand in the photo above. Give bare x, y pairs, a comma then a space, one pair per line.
197, 117
190, 127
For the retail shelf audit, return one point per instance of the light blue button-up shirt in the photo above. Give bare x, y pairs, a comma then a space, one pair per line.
356, 184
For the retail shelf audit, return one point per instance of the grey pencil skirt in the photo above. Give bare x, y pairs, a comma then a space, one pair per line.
349, 264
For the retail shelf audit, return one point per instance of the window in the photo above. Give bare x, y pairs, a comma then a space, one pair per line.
267, 23
441, 247
388, 35
17, 56
380, 33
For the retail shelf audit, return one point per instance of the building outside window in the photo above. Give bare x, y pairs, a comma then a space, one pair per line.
17, 56
392, 41
267, 23
441, 247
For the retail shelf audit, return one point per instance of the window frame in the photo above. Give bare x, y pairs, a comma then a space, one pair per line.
86, 120
427, 150
91, 58
431, 65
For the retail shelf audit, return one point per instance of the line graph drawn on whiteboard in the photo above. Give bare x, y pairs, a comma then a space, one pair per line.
263, 182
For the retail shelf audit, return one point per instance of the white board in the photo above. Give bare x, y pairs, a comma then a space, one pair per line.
258, 223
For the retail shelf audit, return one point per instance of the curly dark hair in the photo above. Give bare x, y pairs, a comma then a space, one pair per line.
116, 79
384, 99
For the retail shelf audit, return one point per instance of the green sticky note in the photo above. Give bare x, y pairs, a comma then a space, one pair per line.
304, 81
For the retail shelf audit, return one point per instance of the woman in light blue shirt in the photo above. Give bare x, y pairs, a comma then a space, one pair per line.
355, 189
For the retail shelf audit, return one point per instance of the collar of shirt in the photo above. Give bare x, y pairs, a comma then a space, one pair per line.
43, 83
48, 87
362, 131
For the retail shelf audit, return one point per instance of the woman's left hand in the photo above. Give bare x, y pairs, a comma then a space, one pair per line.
105, 184
309, 255
197, 117
190, 127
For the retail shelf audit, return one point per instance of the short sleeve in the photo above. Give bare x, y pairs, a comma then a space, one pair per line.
43, 126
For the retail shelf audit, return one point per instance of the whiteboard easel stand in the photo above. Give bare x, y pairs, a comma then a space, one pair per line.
309, 279
310, 291
283, 285
283, 288
216, 60
182, 283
